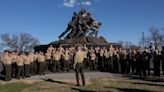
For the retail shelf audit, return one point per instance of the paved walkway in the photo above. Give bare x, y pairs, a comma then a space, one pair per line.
68, 76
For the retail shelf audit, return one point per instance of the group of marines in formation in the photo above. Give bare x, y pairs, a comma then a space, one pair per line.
59, 59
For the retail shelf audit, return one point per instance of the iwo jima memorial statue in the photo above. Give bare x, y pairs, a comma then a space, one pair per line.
82, 29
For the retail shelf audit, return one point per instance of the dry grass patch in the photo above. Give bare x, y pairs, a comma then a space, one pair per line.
111, 84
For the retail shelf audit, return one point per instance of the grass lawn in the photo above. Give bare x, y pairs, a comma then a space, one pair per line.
111, 84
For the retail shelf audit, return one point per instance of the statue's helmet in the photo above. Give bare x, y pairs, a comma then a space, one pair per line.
83, 11
75, 13
97, 23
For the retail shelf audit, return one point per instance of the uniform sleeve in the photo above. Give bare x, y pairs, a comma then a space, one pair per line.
1, 58
75, 60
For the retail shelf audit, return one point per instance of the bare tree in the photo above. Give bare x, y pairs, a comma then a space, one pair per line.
156, 36
121, 42
18, 42
126, 44
144, 40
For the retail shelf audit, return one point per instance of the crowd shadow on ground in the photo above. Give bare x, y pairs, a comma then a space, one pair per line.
81, 90
128, 89
150, 80
145, 78
70, 85
111, 88
56, 81
150, 84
